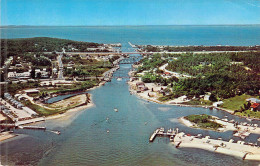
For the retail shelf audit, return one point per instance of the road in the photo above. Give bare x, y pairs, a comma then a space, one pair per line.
120, 53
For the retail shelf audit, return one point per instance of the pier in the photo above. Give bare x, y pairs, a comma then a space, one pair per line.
132, 45
160, 132
32, 127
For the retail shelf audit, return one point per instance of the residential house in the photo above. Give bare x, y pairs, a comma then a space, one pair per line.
24, 75
255, 107
253, 100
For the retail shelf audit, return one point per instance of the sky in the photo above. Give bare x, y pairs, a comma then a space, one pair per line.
129, 12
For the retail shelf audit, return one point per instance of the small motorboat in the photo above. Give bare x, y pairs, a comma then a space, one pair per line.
107, 131
115, 109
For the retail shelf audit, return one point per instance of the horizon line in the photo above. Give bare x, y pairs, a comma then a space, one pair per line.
126, 25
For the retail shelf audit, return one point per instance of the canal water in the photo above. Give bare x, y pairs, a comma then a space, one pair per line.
84, 139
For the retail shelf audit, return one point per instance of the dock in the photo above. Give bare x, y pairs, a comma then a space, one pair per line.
154, 135
132, 45
32, 127
160, 132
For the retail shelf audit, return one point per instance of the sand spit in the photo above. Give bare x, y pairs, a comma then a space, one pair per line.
239, 149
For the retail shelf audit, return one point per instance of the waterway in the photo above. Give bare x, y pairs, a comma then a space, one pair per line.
84, 139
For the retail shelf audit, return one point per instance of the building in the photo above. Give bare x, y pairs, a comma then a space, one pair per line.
25, 75
71, 63
54, 70
219, 103
31, 91
43, 73
253, 100
255, 107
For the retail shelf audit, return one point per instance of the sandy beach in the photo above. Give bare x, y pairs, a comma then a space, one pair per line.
242, 151
154, 95
6, 135
177, 101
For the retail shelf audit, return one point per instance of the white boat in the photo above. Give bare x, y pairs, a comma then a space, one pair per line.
249, 119
119, 79
116, 110
107, 131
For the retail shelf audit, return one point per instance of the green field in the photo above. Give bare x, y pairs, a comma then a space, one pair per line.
234, 103
249, 113
203, 121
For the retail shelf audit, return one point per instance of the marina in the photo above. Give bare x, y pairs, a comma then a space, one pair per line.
244, 150
160, 132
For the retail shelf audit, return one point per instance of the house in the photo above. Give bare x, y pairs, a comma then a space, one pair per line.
167, 73
18, 65
31, 91
255, 107
253, 100
71, 63
183, 98
143, 88
44, 73
139, 83
54, 70
206, 97
18, 75
11, 74
219, 103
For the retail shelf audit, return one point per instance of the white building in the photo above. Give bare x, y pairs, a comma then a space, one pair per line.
19, 75
43, 72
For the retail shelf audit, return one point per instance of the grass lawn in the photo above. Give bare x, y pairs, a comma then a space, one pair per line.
41, 110
234, 103
249, 113
203, 121
198, 102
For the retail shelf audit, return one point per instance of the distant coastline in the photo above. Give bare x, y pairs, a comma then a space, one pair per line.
18, 26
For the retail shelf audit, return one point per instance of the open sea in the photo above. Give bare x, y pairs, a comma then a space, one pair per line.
84, 140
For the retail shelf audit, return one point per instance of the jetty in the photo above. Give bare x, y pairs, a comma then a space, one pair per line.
132, 45
160, 132
32, 127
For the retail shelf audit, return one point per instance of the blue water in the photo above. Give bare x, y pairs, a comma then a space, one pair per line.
159, 35
85, 141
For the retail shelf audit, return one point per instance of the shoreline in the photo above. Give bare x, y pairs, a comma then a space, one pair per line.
70, 114
195, 126
133, 91
190, 124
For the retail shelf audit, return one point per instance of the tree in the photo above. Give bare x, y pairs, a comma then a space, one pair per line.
39, 75
33, 73
212, 97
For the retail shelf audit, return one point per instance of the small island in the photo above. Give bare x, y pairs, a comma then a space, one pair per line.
201, 121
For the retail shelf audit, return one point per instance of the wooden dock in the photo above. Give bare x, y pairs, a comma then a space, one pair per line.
154, 135
160, 132
32, 127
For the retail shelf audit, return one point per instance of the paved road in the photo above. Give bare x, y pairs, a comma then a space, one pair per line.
120, 53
